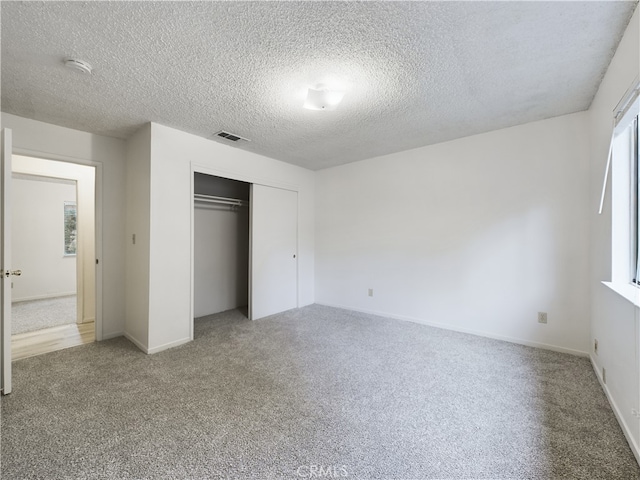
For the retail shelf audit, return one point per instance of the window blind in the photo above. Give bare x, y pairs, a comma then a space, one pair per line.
619, 113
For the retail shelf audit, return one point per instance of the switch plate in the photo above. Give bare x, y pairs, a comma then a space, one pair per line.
542, 317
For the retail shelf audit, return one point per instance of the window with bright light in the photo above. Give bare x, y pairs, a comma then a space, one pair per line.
625, 212
635, 183
70, 229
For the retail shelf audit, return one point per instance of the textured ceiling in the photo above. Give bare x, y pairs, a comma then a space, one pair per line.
415, 73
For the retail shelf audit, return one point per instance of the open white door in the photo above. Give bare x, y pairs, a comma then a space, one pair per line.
5, 271
274, 251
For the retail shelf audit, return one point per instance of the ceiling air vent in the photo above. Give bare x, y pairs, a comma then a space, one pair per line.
232, 137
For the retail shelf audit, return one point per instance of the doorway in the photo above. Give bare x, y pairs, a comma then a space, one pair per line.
53, 237
247, 258
221, 245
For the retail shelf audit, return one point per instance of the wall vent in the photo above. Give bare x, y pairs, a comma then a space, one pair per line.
232, 137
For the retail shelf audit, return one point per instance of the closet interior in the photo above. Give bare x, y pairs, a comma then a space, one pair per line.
221, 244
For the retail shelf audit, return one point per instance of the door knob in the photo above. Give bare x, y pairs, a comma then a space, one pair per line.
15, 273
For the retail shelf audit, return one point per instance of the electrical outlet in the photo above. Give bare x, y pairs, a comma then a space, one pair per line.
542, 317
604, 375
595, 346
371, 292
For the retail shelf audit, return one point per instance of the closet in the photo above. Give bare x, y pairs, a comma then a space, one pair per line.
221, 244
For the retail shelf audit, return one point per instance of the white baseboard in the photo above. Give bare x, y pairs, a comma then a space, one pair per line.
159, 348
616, 411
42, 297
166, 346
136, 342
479, 333
109, 336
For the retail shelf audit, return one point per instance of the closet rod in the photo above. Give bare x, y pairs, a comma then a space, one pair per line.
198, 197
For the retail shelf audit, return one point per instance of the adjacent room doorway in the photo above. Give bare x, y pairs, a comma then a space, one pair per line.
53, 236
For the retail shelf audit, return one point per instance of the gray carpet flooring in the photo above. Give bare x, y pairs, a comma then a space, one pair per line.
38, 314
313, 390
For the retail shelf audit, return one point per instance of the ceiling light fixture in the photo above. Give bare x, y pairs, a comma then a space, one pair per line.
321, 98
78, 65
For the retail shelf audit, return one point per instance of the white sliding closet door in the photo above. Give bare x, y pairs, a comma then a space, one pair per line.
274, 251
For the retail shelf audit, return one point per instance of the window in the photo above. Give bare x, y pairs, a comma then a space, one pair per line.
70, 229
625, 205
635, 184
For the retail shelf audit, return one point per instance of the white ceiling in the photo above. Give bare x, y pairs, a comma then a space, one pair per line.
416, 73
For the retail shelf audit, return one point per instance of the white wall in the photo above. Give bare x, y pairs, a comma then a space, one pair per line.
477, 234
172, 155
84, 176
38, 139
37, 238
221, 254
614, 320
138, 181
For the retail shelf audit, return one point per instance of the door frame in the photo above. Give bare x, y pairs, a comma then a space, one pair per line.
98, 191
6, 142
197, 167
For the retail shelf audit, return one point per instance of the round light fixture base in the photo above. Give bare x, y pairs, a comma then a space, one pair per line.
321, 98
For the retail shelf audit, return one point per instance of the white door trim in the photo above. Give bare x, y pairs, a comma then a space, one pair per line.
98, 221
5, 266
